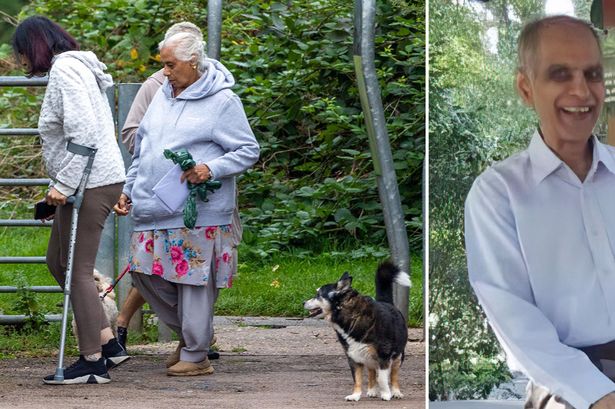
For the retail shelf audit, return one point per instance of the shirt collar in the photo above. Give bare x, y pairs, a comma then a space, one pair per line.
544, 161
604, 155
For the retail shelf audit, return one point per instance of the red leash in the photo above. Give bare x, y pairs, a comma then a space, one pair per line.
112, 286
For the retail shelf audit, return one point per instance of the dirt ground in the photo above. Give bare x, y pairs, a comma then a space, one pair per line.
264, 363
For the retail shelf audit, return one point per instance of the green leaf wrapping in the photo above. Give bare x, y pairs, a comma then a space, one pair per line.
190, 212
184, 159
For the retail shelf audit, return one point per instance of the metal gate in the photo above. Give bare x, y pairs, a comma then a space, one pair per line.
112, 253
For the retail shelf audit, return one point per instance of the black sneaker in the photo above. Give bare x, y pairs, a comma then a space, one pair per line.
122, 336
114, 353
82, 371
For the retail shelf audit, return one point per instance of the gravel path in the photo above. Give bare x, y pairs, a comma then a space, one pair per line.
264, 363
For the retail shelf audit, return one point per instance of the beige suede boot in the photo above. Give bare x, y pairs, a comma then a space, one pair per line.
174, 357
184, 368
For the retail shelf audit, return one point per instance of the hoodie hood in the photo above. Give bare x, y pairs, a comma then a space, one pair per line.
89, 59
215, 78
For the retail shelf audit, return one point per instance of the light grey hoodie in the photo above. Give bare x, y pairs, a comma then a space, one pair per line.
208, 120
75, 108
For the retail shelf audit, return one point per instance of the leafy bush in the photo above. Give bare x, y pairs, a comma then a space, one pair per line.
27, 304
315, 179
314, 186
462, 346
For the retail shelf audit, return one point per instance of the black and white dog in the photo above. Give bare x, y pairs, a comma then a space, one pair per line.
372, 332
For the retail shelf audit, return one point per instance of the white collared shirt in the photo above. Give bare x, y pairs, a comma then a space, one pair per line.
541, 258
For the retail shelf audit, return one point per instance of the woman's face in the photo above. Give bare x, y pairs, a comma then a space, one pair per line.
181, 74
24, 62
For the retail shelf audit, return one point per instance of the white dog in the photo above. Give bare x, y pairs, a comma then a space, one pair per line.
109, 306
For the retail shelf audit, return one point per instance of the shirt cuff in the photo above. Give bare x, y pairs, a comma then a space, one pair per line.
64, 189
211, 172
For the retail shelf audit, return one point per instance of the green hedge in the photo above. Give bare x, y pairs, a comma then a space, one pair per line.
314, 187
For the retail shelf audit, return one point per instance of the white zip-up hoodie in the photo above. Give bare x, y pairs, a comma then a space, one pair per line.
75, 108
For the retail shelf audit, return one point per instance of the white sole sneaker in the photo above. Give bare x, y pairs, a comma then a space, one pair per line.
115, 361
85, 379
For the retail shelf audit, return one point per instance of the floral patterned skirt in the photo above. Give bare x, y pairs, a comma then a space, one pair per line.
185, 256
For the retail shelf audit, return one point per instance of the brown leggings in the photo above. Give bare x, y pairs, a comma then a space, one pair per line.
87, 308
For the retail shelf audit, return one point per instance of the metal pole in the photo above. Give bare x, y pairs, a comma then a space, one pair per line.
214, 28
34, 289
369, 91
125, 226
20, 319
105, 257
26, 223
23, 260
13, 81
24, 182
19, 131
425, 198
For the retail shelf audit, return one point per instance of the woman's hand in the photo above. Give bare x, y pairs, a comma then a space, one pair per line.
197, 174
122, 207
55, 198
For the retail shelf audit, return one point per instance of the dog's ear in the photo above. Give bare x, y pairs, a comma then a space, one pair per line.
344, 282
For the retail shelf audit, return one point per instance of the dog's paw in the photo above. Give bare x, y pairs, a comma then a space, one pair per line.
385, 395
354, 397
397, 394
372, 393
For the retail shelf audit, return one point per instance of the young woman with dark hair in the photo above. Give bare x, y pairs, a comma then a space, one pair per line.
37, 40
75, 109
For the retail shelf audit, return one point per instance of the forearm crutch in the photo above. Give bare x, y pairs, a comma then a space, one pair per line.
76, 200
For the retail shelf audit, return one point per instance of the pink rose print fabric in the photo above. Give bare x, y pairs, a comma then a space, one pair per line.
185, 256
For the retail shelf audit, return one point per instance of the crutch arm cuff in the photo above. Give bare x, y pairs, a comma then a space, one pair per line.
80, 149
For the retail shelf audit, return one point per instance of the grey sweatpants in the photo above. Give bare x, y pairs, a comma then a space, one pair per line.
186, 309
87, 308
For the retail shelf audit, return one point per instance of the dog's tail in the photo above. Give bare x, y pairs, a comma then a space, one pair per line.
387, 274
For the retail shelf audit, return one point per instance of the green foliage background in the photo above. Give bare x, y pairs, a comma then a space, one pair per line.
476, 119
314, 188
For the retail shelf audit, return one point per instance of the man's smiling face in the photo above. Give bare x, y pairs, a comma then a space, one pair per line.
564, 83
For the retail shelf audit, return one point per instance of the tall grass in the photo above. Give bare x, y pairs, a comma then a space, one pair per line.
273, 287
279, 286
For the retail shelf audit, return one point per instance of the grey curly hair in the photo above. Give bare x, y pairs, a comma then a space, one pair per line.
186, 47
184, 27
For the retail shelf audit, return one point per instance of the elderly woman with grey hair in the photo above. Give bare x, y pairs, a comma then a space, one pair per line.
177, 269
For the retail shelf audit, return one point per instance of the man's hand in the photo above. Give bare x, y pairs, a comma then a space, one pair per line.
197, 174
55, 198
122, 207
605, 402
